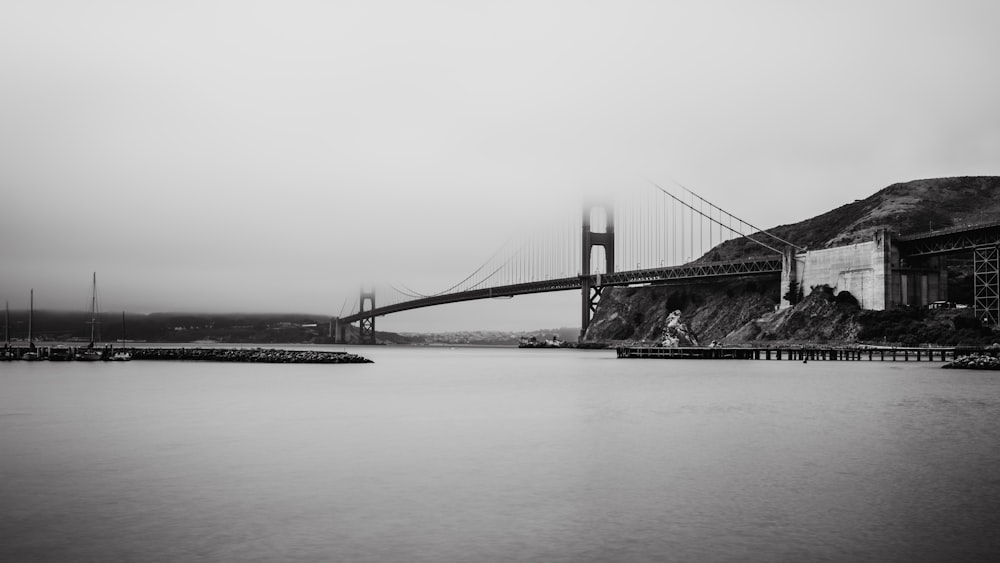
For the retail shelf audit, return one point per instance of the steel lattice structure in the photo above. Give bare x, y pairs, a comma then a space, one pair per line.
986, 283
752, 266
949, 241
366, 321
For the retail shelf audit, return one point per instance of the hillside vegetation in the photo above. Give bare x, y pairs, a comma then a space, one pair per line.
904, 208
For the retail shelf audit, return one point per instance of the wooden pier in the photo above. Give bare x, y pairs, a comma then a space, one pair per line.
804, 353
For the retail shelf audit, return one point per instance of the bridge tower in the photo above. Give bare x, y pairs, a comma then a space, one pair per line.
591, 291
366, 325
337, 331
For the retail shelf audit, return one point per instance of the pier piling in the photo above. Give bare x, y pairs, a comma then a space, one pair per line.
796, 353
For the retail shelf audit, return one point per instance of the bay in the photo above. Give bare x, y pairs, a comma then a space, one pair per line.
493, 454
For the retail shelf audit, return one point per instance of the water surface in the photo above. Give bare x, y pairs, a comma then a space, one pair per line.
478, 454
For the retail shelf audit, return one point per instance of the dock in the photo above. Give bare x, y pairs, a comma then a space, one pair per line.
804, 353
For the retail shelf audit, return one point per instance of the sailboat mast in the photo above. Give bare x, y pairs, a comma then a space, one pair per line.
31, 313
93, 308
6, 323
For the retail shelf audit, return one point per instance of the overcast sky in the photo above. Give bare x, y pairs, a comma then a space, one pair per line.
272, 156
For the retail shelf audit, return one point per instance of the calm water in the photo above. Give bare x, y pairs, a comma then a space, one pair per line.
438, 455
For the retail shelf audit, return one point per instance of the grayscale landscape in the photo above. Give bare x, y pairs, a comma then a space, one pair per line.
456, 281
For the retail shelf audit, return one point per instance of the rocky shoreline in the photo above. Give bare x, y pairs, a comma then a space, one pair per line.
248, 355
975, 361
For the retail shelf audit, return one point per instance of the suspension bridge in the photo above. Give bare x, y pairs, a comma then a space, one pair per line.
655, 237
661, 237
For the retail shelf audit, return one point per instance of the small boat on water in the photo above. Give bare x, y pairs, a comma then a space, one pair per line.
8, 352
121, 356
88, 354
91, 353
532, 342
32, 354
60, 353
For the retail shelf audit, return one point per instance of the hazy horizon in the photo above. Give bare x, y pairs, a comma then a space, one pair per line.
273, 156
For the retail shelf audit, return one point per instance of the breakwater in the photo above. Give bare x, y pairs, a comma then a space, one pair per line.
804, 353
975, 361
248, 355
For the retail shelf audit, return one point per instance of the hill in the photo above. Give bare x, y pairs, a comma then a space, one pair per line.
69, 326
904, 208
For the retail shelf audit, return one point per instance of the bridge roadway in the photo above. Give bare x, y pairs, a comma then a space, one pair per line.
758, 266
946, 241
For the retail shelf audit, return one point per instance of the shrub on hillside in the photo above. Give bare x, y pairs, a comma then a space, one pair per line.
967, 322
845, 298
889, 325
824, 291
914, 326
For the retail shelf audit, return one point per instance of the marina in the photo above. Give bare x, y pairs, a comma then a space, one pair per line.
63, 353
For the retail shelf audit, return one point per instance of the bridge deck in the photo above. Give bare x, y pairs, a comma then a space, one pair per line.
952, 240
752, 267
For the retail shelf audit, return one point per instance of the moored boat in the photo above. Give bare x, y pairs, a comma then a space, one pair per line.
88, 354
532, 342
32, 354
121, 356
60, 353
8, 352
91, 353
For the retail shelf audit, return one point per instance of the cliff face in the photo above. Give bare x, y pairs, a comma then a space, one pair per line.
817, 318
741, 313
708, 311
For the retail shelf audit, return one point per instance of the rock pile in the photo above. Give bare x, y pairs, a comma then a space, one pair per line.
676, 333
975, 361
251, 355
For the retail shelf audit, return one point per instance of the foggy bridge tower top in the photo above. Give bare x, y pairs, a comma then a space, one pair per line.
606, 240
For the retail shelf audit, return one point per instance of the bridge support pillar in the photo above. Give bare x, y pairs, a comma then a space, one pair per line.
591, 288
337, 331
366, 326
986, 284
789, 278
591, 298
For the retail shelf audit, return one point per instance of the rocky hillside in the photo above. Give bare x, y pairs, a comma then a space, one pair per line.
742, 311
834, 318
820, 317
708, 311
